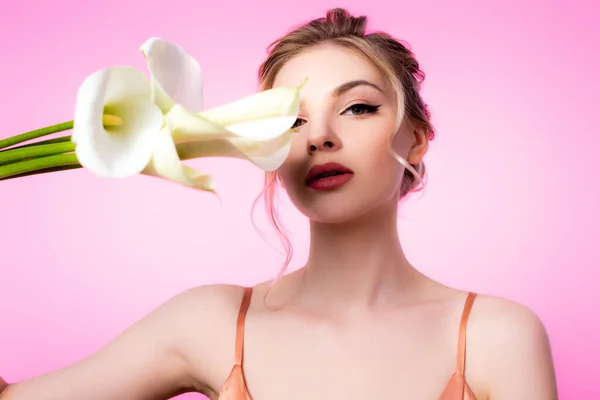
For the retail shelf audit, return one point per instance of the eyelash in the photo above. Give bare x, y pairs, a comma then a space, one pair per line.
367, 108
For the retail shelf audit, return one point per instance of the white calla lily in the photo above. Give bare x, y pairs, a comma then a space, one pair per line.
275, 110
119, 112
268, 155
116, 123
126, 124
176, 77
262, 116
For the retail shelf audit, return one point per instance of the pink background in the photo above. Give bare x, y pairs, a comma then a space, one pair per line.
511, 208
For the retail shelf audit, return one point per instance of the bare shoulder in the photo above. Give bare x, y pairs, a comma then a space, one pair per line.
201, 324
501, 321
206, 314
197, 312
207, 299
509, 350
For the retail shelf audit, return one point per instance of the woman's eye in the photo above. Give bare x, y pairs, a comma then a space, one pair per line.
297, 123
361, 109
355, 110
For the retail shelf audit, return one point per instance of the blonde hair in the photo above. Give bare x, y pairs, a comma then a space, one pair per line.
393, 58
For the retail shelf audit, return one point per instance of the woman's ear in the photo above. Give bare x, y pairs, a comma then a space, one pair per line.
419, 147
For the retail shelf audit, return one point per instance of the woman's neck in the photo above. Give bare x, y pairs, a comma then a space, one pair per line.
359, 263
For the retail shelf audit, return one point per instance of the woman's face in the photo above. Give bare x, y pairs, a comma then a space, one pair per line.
347, 115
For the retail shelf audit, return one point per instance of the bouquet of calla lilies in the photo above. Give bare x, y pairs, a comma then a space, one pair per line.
126, 124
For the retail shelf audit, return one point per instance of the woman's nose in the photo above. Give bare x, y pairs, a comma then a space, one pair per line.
326, 140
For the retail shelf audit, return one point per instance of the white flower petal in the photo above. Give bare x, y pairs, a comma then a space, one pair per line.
186, 126
261, 123
120, 150
176, 75
90, 103
267, 155
261, 116
263, 129
165, 163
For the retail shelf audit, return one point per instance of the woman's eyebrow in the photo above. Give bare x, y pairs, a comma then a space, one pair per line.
344, 87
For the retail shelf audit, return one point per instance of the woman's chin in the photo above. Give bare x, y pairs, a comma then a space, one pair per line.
336, 214
345, 212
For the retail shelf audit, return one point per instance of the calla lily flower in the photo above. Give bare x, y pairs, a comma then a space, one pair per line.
262, 135
119, 113
126, 124
256, 128
261, 116
116, 123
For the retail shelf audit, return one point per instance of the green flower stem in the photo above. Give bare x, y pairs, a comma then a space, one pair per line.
40, 150
38, 164
62, 162
60, 139
35, 134
44, 171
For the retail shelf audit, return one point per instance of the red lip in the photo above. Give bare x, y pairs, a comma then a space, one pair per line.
328, 176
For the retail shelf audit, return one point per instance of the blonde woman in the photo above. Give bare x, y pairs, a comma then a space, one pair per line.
358, 321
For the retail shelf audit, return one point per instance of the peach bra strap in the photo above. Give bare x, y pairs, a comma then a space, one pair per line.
462, 333
239, 339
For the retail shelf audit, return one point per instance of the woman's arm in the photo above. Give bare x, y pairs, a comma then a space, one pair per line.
147, 361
